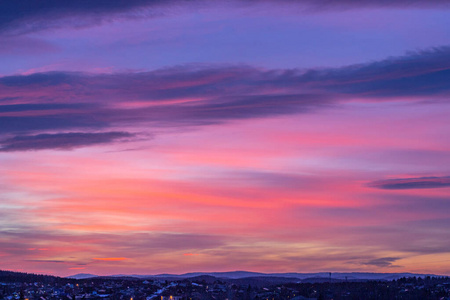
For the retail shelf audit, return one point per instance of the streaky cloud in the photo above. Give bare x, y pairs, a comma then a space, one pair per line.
412, 183
195, 95
382, 262
64, 141
46, 261
40, 107
418, 73
369, 3
39, 79
38, 123
22, 16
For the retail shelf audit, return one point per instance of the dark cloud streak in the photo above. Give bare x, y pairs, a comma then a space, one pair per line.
382, 262
64, 141
27, 124
24, 15
412, 183
38, 107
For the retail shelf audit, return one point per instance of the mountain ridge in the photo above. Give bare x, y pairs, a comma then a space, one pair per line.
248, 274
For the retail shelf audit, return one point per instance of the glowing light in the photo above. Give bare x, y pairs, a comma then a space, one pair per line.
110, 258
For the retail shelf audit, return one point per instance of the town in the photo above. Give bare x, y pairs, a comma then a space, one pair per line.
23, 286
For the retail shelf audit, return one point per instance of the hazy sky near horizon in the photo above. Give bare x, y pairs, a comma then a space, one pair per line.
149, 136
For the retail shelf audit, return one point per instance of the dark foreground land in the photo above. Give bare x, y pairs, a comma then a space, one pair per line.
22, 286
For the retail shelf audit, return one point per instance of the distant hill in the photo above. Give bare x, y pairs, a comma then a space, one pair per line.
229, 275
82, 276
298, 276
203, 278
236, 277
294, 277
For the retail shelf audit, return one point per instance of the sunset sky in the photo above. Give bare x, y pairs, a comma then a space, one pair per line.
146, 137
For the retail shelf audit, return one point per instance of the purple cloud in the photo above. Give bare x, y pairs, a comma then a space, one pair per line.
372, 3
25, 16
192, 95
382, 262
65, 141
412, 183
420, 73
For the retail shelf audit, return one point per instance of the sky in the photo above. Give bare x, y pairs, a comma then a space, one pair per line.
147, 137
